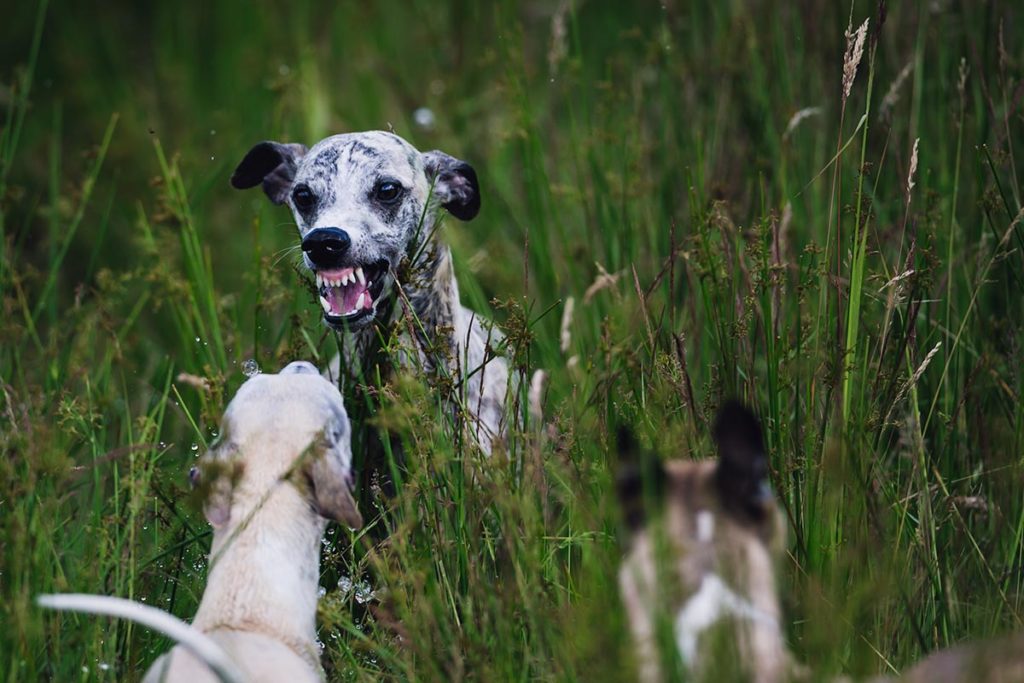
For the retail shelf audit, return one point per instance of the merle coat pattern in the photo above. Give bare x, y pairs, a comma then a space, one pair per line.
373, 200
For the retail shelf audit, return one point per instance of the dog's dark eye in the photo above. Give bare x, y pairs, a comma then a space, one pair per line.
387, 191
303, 198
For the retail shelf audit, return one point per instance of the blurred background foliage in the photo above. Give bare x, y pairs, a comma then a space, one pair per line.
667, 165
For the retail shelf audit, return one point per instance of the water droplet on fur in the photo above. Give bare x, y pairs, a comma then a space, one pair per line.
194, 447
250, 368
321, 591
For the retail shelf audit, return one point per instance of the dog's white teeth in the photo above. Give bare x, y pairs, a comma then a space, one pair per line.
360, 276
361, 301
319, 280
326, 304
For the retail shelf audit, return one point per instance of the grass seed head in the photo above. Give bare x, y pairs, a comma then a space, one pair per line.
854, 53
565, 331
913, 169
892, 95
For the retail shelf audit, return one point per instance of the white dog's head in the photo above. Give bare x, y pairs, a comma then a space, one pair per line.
362, 201
280, 430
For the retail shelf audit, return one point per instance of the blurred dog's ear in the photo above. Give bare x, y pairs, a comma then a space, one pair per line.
455, 184
639, 481
330, 473
271, 163
742, 471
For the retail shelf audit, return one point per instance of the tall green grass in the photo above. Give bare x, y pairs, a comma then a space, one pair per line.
638, 160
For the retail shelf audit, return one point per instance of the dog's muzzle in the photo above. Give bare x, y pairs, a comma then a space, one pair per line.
349, 291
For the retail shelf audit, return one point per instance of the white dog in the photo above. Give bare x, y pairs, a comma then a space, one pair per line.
280, 469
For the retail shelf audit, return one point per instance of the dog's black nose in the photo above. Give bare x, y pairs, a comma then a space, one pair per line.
326, 246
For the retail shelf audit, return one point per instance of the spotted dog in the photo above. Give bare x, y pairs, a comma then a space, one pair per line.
698, 579
367, 209
280, 470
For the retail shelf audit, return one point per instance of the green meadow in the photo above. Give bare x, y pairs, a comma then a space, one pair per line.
682, 202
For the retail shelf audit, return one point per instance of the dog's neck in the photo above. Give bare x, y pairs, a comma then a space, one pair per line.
429, 289
264, 574
423, 295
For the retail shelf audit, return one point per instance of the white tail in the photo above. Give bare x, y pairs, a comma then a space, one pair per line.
196, 642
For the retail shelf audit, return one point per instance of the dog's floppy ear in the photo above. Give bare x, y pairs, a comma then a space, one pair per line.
742, 471
330, 473
214, 482
639, 481
455, 184
271, 163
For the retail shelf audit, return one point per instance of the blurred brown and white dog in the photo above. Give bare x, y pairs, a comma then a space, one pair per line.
280, 469
698, 580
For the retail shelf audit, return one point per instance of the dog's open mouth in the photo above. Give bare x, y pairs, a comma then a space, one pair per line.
349, 294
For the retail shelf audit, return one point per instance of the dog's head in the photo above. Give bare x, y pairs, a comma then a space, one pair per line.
362, 201
285, 429
705, 538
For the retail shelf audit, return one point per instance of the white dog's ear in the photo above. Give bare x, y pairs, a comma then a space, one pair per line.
331, 475
215, 480
271, 163
455, 184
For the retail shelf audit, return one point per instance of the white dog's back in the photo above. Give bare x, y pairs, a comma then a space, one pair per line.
260, 658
